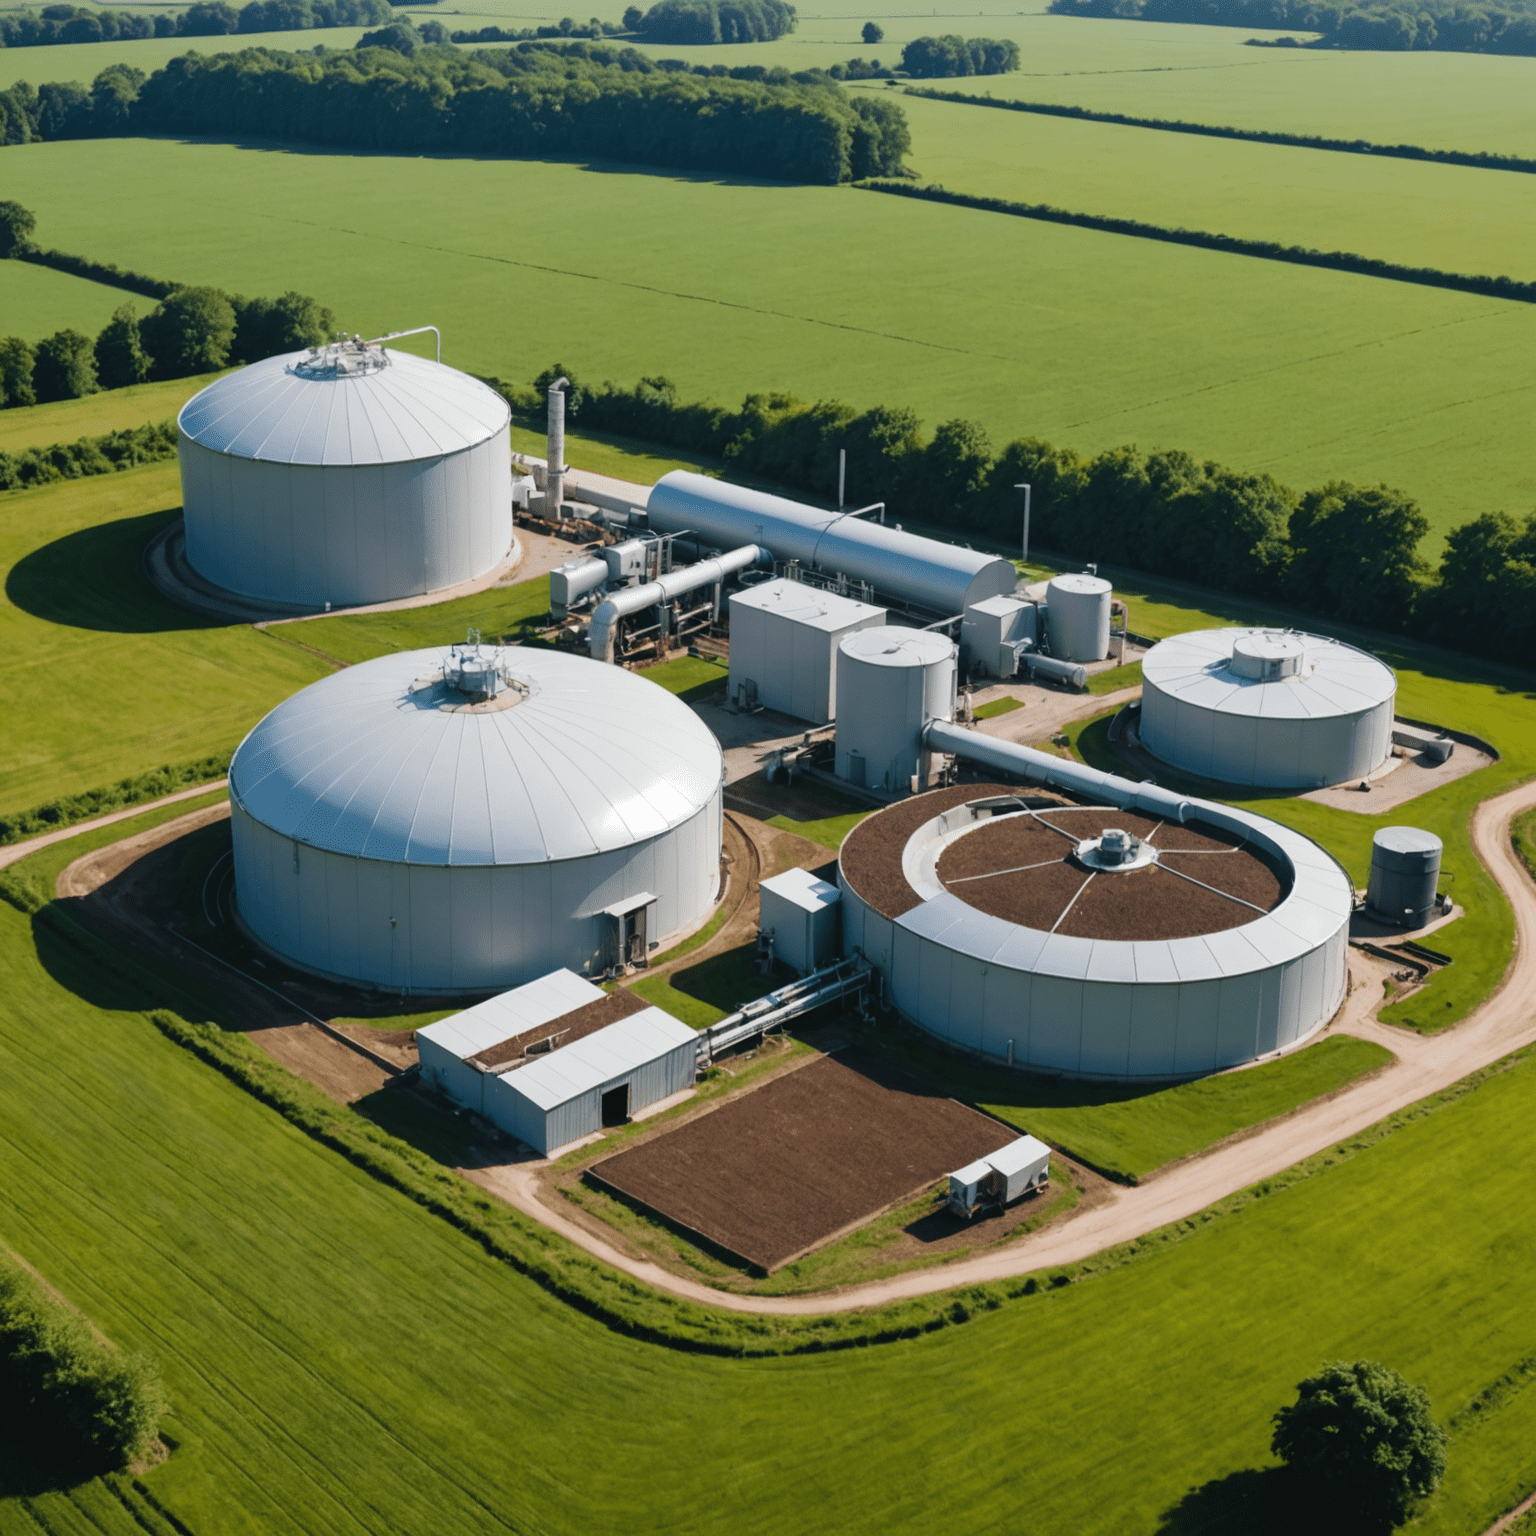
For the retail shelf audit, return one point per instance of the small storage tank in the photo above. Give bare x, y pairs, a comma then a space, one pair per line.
1077, 617
891, 682
1405, 876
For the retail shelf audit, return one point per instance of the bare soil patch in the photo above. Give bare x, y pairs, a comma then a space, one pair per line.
783, 1169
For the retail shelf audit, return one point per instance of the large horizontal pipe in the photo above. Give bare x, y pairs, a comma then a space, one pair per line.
1063, 773
926, 573
604, 629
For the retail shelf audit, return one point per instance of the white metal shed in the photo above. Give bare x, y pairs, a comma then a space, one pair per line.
784, 638
444, 1048
802, 913
574, 1091
1001, 1176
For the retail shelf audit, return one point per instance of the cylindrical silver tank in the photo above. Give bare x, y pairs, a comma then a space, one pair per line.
571, 582
890, 683
554, 449
940, 578
1405, 876
1077, 617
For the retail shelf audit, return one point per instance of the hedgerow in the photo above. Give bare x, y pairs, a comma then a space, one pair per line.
102, 455
67, 810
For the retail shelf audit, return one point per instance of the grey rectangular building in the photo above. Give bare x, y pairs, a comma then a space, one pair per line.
784, 639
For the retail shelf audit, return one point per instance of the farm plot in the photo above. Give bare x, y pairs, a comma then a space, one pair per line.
781, 1170
1085, 339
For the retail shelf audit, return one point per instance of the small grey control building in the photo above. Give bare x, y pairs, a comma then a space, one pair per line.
801, 913
557, 1059
784, 639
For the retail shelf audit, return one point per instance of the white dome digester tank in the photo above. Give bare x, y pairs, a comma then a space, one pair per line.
466, 821
349, 474
1077, 615
891, 681
1272, 708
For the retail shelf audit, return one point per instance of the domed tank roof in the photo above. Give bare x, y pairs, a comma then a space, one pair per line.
1273, 674
892, 645
391, 760
344, 404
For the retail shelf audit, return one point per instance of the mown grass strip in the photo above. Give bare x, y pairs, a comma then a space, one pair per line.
1230, 245
1477, 159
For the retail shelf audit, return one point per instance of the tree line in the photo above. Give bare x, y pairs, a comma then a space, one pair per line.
125, 449
1508, 26
1345, 552
70, 1406
56, 24
935, 58
534, 99
1235, 245
1481, 159
191, 330
690, 22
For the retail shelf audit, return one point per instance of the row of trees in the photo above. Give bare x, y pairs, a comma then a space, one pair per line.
1505, 26
69, 1403
1344, 552
125, 449
534, 99
205, 18
687, 22
936, 58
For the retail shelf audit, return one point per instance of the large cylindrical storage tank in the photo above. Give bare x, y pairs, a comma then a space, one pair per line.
1272, 708
396, 826
891, 682
1405, 876
348, 475
942, 579
1077, 616
997, 925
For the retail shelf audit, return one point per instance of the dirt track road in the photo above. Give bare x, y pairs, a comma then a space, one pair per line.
17, 851
1424, 1065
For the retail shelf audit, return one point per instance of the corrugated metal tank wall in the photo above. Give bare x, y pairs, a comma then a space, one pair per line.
461, 928
345, 534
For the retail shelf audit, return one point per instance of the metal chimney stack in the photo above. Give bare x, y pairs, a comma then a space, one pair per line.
554, 451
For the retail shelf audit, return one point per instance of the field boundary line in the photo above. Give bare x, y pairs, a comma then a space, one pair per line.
11, 853
1229, 245
1475, 159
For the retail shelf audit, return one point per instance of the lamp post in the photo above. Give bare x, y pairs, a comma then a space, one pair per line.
1025, 489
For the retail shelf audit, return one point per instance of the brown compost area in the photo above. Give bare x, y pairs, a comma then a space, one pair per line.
780, 1170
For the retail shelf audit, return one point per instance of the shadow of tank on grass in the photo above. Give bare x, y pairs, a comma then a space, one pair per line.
94, 579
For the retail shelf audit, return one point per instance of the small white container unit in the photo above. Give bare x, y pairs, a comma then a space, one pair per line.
801, 913
891, 682
445, 1048
1000, 1177
346, 475
784, 639
989, 631
604, 1079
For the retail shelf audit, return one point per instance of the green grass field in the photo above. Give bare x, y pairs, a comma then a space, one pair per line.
37, 301
1082, 338
1393, 210
112, 410
338, 1360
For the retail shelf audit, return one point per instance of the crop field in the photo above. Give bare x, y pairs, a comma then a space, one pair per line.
1393, 210
1078, 337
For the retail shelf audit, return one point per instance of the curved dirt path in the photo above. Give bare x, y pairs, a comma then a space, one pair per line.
16, 851
1424, 1065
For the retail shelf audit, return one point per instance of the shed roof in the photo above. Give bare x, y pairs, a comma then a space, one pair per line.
1018, 1155
813, 607
498, 1018
599, 1059
410, 409
802, 889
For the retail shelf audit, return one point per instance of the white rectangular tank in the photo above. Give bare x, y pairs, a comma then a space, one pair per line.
990, 625
784, 638
802, 914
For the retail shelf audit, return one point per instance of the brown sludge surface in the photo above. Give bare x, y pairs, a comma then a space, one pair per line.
1141, 904
569, 1027
871, 853
777, 1171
